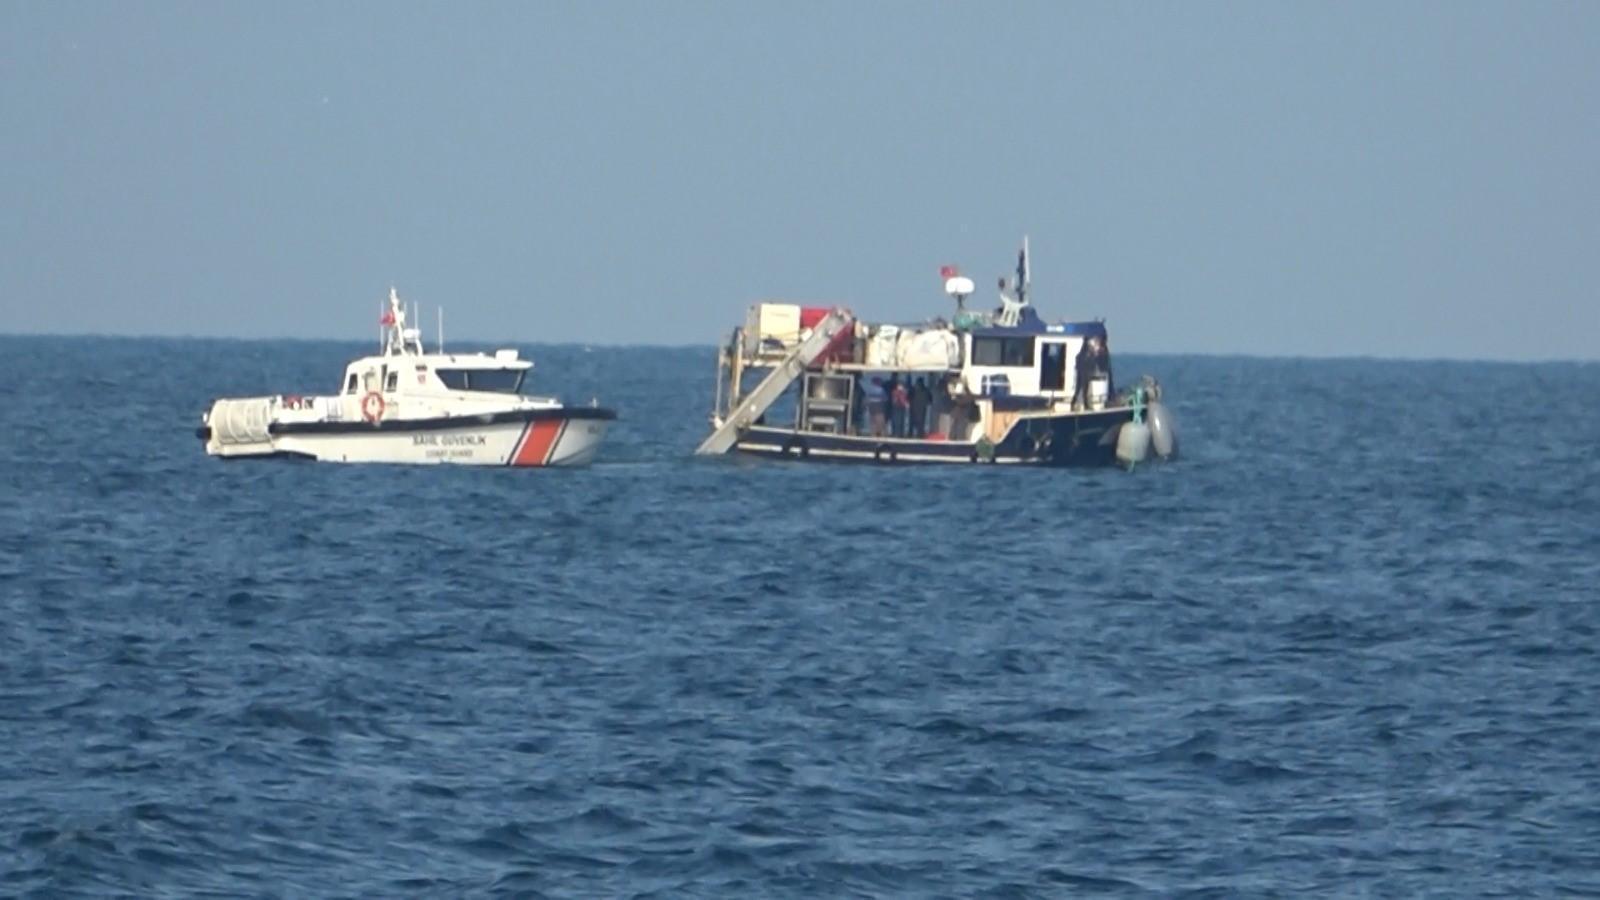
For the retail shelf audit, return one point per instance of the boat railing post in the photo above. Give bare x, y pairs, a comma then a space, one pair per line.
716, 403
735, 369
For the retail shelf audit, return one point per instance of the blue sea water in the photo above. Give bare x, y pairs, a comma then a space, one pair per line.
1347, 646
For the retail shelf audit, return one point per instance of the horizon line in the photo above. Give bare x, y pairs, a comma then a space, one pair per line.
474, 342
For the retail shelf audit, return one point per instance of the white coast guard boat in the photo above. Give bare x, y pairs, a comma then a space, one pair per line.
406, 405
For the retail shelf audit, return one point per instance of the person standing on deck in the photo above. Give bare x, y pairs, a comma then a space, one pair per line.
899, 405
858, 406
1082, 369
1102, 364
920, 397
876, 398
942, 405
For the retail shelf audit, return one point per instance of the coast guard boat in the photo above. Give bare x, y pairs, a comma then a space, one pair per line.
982, 387
406, 405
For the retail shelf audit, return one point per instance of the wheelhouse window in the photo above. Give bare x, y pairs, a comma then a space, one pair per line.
392, 381
351, 384
503, 381
996, 351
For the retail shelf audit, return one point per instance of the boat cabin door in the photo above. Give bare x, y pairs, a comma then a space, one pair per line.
1054, 368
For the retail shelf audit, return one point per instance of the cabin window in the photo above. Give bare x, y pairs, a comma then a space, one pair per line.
392, 381
996, 351
350, 384
503, 381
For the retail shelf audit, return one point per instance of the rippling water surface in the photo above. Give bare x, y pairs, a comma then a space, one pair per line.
1346, 646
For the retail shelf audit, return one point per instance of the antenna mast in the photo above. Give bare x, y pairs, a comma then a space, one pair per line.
1024, 273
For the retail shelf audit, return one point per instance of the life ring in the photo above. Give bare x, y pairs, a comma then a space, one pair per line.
372, 407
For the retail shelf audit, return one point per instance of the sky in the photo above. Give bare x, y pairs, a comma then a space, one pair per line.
1392, 179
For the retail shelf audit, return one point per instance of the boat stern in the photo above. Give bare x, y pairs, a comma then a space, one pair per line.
238, 427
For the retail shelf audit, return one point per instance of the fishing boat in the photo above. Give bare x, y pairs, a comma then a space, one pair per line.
405, 405
996, 386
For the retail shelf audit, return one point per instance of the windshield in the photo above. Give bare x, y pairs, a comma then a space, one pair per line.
503, 381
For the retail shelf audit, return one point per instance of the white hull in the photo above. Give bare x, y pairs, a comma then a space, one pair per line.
550, 440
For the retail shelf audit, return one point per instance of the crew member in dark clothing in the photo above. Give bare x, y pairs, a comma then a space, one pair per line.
1083, 368
898, 402
920, 396
858, 407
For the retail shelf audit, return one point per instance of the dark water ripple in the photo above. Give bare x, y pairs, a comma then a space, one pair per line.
1347, 646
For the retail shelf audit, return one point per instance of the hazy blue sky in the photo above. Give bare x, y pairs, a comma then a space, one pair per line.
1395, 179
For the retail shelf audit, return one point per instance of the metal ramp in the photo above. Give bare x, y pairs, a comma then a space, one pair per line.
777, 381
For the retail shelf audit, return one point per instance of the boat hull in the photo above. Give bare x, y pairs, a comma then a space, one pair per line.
1069, 440
524, 439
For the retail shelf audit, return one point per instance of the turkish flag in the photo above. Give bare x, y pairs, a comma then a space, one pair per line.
388, 318
948, 272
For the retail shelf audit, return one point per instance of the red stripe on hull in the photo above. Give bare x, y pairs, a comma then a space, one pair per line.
538, 442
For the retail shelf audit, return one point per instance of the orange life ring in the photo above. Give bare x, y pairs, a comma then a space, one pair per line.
372, 406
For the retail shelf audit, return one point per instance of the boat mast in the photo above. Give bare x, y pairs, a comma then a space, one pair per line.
1024, 274
394, 319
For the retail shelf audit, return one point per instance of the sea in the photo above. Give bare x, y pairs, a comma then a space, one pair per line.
1345, 645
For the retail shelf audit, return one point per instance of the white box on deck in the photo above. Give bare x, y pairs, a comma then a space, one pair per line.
881, 347
771, 326
928, 349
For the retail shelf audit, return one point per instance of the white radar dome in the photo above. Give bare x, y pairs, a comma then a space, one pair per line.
960, 284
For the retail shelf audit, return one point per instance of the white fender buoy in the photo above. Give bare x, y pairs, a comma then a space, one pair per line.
1133, 443
1163, 431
